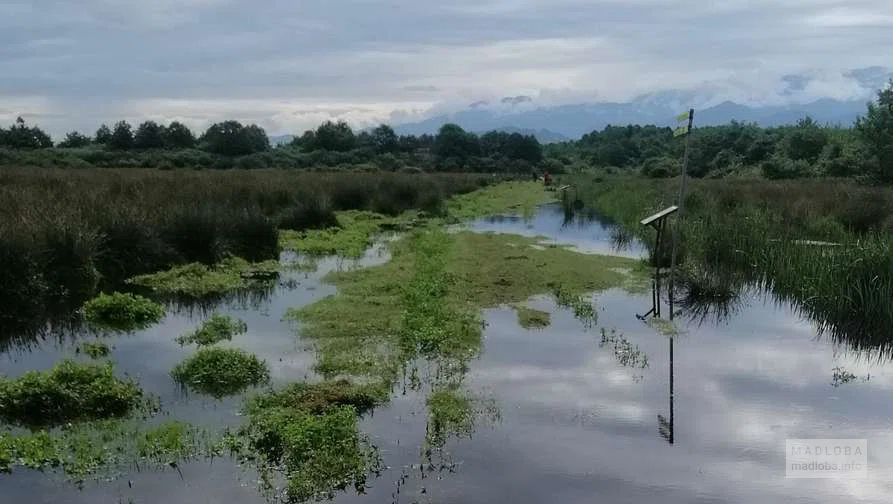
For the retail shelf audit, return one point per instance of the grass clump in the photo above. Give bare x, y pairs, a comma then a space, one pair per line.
214, 330
122, 312
69, 392
221, 372
308, 433
94, 350
530, 318
199, 280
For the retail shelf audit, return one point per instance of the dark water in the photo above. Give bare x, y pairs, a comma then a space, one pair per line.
577, 425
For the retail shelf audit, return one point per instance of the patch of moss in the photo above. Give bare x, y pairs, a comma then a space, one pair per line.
69, 392
214, 330
221, 372
94, 350
122, 312
509, 197
200, 280
530, 318
350, 238
103, 449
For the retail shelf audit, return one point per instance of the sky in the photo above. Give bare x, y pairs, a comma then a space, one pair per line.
288, 65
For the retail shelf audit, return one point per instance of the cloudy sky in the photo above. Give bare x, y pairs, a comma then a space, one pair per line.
290, 64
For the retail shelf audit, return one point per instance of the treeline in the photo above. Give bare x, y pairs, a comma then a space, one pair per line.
230, 144
802, 150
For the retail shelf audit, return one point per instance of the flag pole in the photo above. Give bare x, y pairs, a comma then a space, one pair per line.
684, 130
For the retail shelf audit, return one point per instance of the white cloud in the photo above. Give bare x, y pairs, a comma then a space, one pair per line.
376, 57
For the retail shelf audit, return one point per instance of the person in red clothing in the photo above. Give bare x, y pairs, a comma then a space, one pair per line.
547, 179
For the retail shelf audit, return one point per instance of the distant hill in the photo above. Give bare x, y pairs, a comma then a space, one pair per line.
543, 135
281, 140
521, 113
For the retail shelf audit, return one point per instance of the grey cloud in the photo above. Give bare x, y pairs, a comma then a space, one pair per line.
122, 55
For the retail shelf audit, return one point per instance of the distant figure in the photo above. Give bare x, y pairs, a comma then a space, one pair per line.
547, 179
535, 178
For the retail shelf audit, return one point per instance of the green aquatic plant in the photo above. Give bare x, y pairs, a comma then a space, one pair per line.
350, 238
94, 349
122, 312
69, 392
104, 449
198, 280
214, 330
221, 372
582, 308
309, 434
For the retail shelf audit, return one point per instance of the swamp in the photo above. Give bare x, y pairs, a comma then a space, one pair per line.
268, 336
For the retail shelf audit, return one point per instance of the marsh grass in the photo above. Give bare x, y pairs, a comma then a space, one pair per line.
745, 234
65, 233
350, 237
69, 392
214, 330
94, 349
123, 312
221, 372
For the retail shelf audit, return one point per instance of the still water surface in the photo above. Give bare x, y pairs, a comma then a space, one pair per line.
578, 418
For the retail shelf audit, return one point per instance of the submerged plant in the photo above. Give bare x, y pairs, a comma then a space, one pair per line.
583, 309
221, 372
122, 312
69, 392
214, 330
94, 350
529, 318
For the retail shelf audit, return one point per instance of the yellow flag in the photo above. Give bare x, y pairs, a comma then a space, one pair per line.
682, 117
681, 130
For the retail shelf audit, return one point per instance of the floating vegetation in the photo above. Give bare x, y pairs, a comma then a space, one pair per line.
199, 280
103, 449
69, 392
530, 318
122, 312
627, 354
309, 434
94, 349
214, 330
221, 372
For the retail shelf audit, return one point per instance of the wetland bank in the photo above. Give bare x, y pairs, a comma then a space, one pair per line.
440, 347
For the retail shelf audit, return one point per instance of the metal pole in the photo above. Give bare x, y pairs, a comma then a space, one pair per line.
681, 204
671, 392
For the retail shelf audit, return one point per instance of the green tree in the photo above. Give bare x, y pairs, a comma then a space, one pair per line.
178, 136
806, 141
875, 130
231, 138
74, 140
454, 142
122, 136
332, 136
149, 135
385, 140
21, 136
103, 135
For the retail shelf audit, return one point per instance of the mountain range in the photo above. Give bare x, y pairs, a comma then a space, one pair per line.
794, 99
